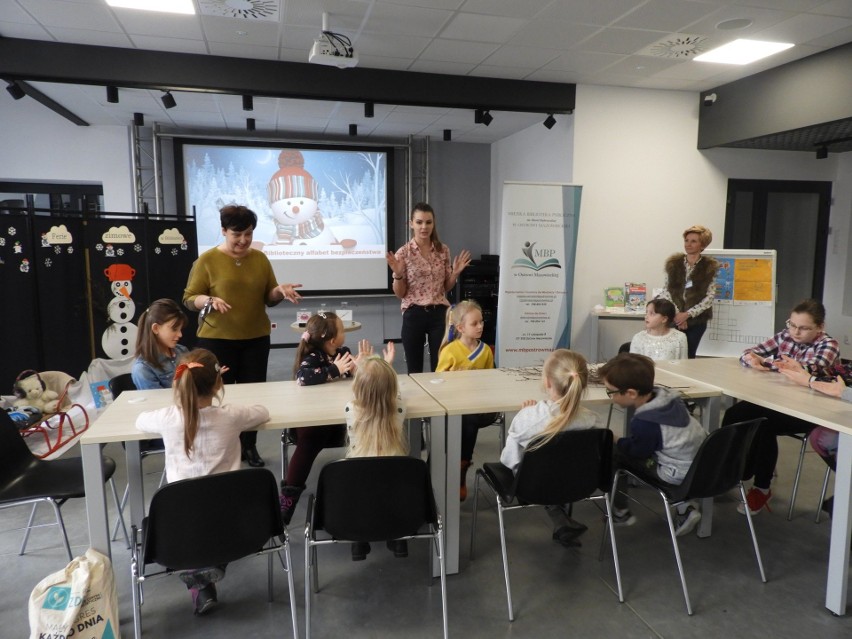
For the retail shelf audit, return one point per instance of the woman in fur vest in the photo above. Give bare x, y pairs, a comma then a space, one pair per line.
691, 285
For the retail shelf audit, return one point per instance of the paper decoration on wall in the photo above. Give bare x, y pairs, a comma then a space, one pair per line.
57, 235
119, 338
171, 236
119, 235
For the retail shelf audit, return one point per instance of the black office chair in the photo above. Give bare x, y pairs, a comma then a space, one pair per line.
26, 479
209, 521
372, 499
718, 467
571, 467
117, 385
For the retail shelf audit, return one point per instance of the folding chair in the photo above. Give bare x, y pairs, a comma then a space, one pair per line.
209, 521
571, 467
27, 479
718, 467
372, 499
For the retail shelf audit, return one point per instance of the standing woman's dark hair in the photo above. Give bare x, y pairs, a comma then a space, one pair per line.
237, 218
422, 273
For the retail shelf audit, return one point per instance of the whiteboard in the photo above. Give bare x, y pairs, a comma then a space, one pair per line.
744, 309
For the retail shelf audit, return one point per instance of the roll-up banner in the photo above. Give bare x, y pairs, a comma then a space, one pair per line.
537, 251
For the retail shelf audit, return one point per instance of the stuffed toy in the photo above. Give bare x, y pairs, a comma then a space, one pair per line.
32, 391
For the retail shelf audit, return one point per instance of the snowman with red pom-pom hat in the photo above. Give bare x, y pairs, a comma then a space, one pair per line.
294, 199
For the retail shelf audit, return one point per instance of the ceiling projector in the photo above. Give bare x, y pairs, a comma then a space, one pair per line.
332, 54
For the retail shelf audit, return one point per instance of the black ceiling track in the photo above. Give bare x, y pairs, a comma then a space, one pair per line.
38, 60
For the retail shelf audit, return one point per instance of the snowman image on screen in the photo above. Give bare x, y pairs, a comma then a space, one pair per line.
119, 338
294, 199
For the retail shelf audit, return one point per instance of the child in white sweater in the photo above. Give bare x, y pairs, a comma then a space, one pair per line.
659, 340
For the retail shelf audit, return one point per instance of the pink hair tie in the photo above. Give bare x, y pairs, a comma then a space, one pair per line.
306, 337
181, 369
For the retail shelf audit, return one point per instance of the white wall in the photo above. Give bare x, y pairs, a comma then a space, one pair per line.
44, 147
644, 181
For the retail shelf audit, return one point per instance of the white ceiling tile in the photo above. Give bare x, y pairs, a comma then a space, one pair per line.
240, 31
841, 8
72, 15
642, 66
25, 31
457, 51
391, 46
488, 71
552, 34
12, 12
381, 62
834, 39
804, 27
469, 26
783, 5
430, 66
154, 43
615, 40
154, 24
761, 19
523, 57
244, 50
596, 12
667, 15
450, 5
582, 61
506, 8
86, 36
402, 20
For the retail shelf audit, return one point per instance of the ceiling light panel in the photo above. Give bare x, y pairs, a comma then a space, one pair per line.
743, 52
163, 6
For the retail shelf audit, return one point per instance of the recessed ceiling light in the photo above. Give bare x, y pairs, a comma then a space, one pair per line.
165, 6
734, 24
742, 51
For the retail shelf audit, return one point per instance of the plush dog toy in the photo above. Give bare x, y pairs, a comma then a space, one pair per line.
31, 390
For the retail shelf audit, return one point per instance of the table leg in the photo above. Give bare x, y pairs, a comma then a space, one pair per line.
710, 420
438, 471
135, 496
96, 509
452, 516
838, 558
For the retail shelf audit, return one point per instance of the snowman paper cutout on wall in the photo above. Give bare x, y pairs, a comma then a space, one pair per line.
119, 338
294, 199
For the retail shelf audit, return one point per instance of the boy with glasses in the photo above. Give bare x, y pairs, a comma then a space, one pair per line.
663, 437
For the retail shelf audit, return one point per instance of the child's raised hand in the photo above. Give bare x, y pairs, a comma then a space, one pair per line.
388, 352
528, 403
365, 349
344, 363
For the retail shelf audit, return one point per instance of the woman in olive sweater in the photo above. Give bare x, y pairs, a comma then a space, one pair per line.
230, 284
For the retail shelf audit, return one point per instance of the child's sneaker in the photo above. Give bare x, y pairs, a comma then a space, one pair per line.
757, 500
687, 522
399, 547
204, 599
622, 517
288, 499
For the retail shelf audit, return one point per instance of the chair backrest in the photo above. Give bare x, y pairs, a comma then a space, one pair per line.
374, 498
570, 467
121, 383
720, 462
15, 455
206, 521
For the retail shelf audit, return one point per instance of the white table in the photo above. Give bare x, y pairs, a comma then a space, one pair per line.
504, 390
290, 406
775, 392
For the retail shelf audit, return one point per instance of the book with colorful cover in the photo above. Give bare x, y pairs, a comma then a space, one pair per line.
101, 394
614, 296
634, 297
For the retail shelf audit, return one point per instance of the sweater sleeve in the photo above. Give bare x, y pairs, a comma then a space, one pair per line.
645, 439
248, 417
316, 368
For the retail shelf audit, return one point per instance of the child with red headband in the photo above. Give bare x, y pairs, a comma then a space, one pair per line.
201, 439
